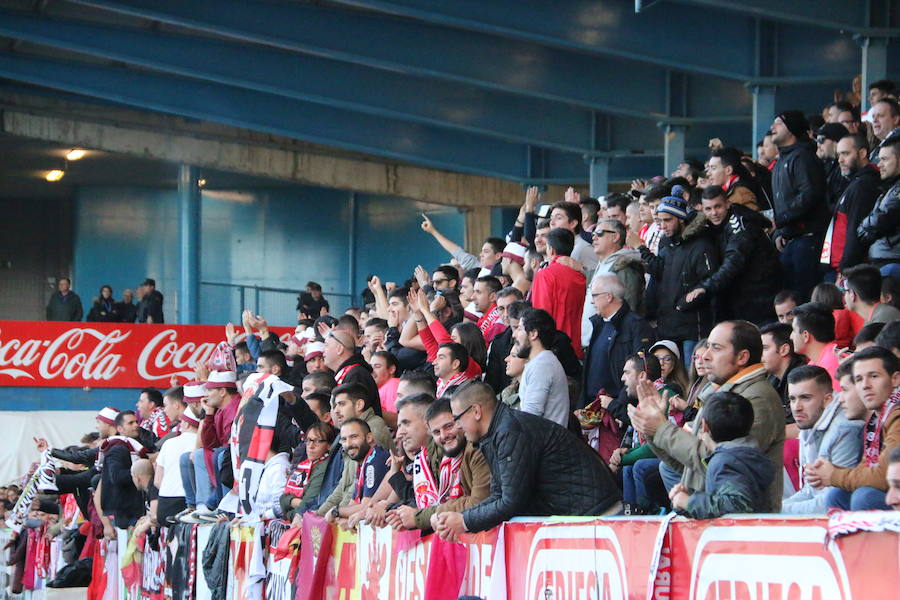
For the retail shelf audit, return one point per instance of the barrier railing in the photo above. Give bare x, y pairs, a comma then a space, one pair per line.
748, 557
222, 301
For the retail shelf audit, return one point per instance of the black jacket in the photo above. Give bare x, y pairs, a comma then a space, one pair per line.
798, 187
835, 182
683, 262
78, 456
409, 359
118, 496
151, 305
495, 373
538, 469
632, 334
127, 312
64, 309
749, 274
855, 204
104, 312
880, 231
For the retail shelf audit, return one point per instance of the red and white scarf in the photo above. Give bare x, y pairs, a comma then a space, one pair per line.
874, 426
157, 422
489, 319
361, 475
342, 373
443, 384
429, 492
300, 477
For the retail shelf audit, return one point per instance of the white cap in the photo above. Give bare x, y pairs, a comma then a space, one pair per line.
220, 379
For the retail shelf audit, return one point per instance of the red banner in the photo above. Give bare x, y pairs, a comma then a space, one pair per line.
117, 355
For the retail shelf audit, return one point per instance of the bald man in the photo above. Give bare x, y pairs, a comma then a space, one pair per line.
349, 366
142, 475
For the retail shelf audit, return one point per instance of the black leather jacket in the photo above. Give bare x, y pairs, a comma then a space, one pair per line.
539, 469
798, 189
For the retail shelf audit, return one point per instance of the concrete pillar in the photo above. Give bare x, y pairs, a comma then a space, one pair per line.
763, 111
673, 144
874, 65
189, 236
599, 176
478, 227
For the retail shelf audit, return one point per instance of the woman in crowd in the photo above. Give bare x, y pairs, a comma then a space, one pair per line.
104, 309
305, 481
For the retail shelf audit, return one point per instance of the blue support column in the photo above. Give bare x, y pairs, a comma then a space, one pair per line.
189, 236
673, 144
599, 176
763, 111
874, 65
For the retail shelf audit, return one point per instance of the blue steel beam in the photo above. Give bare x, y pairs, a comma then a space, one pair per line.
611, 27
608, 27
313, 79
383, 137
418, 49
842, 15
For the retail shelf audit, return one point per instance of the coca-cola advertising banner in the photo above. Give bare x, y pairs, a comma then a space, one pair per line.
115, 355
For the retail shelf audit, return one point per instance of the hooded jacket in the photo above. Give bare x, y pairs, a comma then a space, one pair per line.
798, 189
737, 481
686, 453
880, 231
749, 275
538, 469
683, 262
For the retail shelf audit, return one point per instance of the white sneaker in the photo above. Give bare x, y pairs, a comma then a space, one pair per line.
191, 517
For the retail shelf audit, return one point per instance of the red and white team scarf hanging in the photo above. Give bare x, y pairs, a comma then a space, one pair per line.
429, 492
296, 483
874, 426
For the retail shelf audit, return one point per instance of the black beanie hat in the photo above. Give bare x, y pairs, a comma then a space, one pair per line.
796, 123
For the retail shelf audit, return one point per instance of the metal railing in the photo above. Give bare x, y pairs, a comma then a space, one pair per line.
223, 302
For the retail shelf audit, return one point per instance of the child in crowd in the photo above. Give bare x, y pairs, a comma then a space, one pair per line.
738, 474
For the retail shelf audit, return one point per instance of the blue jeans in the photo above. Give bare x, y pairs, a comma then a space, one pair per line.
670, 476
187, 479
800, 260
206, 492
864, 498
628, 485
687, 351
641, 470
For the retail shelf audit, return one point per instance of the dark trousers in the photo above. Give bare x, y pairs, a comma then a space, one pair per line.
800, 260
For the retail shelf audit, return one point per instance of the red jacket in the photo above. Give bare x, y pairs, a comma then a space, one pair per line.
560, 291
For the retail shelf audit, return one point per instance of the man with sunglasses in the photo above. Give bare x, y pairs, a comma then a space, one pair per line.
827, 138
349, 366
538, 468
614, 258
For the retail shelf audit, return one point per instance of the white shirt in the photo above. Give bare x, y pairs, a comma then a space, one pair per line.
168, 458
544, 389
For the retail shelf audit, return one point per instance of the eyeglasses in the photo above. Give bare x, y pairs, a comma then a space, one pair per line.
593, 295
456, 418
665, 359
602, 232
439, 281
314, 441
331, 335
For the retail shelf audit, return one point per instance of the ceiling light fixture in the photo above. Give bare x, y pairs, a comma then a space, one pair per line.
75, 154
201, 182
55, 175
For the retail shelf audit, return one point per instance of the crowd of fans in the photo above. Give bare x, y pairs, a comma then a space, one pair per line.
723, 340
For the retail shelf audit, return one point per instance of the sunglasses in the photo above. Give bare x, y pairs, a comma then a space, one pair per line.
602, 232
